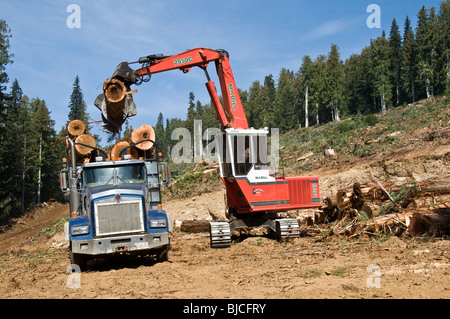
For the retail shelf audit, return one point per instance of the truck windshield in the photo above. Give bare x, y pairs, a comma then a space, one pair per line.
99, 176
130, 174
95, 176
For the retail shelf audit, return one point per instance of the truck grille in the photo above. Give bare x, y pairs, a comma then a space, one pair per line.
121, 217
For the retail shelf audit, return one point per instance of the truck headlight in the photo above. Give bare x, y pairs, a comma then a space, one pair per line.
80, 230
158, 223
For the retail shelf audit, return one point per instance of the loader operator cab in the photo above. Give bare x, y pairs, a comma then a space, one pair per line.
244, 153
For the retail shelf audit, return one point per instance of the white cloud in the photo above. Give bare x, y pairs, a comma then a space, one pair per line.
328, 29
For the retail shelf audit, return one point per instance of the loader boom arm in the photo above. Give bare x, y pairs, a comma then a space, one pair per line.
232, 113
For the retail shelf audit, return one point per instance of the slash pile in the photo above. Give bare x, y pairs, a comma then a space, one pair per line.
414, 208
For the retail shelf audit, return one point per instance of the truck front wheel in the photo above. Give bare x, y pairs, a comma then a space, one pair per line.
77, 259
163, 254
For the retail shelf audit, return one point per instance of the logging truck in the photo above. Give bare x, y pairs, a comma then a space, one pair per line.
115, 206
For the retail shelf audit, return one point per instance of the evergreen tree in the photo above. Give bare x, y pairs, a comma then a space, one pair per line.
5, 59
284, 106
426, 52
268, 95
335, 81
43, 155
13, 155
319, 97
408, 67
191, 113
357, 83
444, 31
253, 105
381, 85
304, 77
77, 105
395, 58
160, 135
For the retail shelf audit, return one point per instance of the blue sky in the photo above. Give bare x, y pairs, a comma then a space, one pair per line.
261, 37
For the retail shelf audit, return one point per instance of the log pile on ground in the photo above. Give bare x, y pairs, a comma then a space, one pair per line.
414, 208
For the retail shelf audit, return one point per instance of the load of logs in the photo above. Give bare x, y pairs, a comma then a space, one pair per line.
86, 147
420, 208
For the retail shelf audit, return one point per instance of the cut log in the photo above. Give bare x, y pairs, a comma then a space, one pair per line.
392, 223
431, 201
144, 132
115, 96
194, 226
434, 223
75, 128
86, 139
119, 146
305, 156
114, 90
343, 199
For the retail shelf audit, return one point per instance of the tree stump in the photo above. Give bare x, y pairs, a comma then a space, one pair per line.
434, 223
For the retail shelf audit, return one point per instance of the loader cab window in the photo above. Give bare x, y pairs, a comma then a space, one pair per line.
243, 154
249, 151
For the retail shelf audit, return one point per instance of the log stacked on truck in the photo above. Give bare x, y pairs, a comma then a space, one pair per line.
119, 146
76, 130
87, 150
144, 132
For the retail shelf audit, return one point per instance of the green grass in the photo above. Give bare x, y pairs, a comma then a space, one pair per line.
340, 272
51, 230
308, 273
363, 135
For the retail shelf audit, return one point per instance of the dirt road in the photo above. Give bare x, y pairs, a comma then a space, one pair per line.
34, 258
254, 268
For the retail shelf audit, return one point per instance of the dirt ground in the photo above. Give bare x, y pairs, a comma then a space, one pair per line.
34, 256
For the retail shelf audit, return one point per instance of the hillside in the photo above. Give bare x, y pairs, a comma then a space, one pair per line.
412, 139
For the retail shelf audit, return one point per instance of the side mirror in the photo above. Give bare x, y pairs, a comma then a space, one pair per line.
164, 175
63, 182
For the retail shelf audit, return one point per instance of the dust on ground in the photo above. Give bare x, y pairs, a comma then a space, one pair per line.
34, 256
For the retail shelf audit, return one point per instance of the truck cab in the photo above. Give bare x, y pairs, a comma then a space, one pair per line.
115, 209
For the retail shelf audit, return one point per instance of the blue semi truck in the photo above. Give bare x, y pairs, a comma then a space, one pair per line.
115, 207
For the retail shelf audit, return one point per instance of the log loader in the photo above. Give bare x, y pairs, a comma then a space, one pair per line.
255, 194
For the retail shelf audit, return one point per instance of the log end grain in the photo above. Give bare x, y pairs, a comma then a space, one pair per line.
75, 128
114, 90
86, 139
119, 146
144, 132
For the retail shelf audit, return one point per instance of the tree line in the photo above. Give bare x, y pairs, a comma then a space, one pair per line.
402, 67
30, 148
